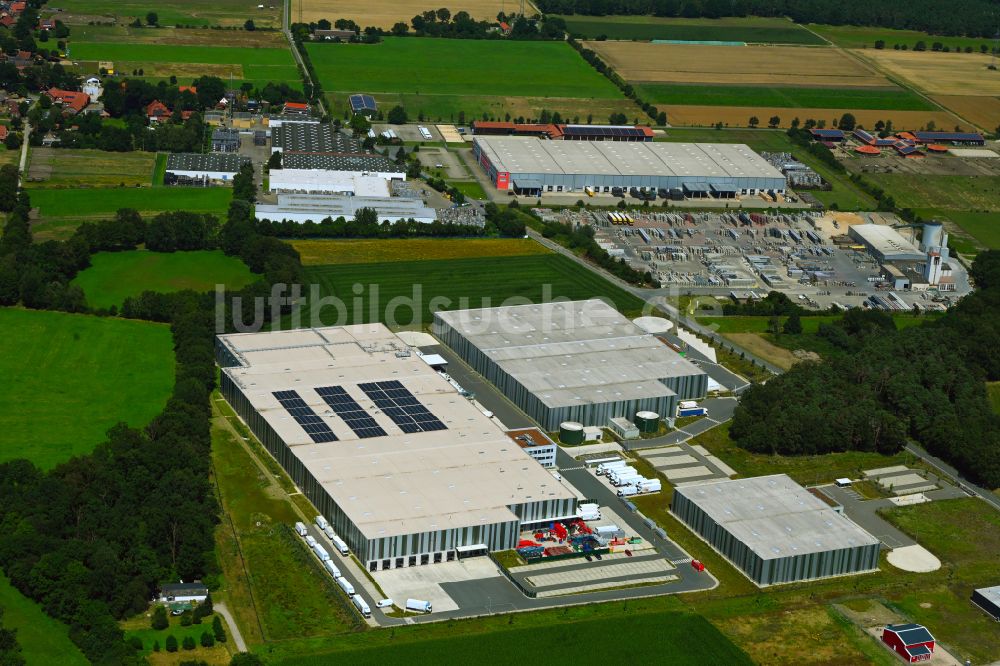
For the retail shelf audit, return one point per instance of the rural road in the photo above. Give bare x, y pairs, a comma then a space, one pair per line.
24, 153
234, 629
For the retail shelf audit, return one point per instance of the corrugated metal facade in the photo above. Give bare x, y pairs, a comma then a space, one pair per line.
834, 562
686, 388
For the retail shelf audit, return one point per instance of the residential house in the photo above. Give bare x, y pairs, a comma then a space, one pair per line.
72, 101
4, 132
173, 592
46, 24
157, 111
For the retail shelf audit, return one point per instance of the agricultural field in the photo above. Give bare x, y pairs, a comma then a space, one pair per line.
982, 227
938, 73
385, 13
61, 211
738, 116
78, 375
737, 65
179, 36
686, 637
454, 283
889, 98
9, 156
856, 37
257, 65
114, 276
369, 251
755, 30
551, 75
910, 190
983, 112
43, 639
171, 12
59, 168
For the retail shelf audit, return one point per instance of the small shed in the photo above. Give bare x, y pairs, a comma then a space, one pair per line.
912, 642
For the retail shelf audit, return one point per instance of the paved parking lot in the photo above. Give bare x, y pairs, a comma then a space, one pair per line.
425, 582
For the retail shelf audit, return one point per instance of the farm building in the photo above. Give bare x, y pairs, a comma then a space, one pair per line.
202, 168
174, 592
885, 243
309, 137
306, 207
334, 34
225, 140
988, 598
774, 530
531, 166
831, 135
565, 132
571, 361
956, 138
72, 101
406, 469
912, 642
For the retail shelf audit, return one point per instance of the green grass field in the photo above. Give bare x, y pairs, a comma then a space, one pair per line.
959, 192
751, 29
422, 75
258, 65
43, 639
77, 376
172, 12
845, 194
455, 283
114, 276
993, 389
62, 167
855, 37
63, 210
983, 227
686, 638
890, 99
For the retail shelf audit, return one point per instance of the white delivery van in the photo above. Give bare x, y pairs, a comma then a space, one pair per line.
332, 568
418, 605
339, 544
300, 529
310, 541
346, 586
321, 523
384, 603
321, 553
362, 606
328, 531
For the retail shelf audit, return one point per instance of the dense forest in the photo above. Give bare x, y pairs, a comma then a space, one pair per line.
924, 383
975, 18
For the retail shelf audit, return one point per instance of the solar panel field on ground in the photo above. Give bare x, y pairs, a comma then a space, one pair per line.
76, 376
403, 293
749, 29
423, 75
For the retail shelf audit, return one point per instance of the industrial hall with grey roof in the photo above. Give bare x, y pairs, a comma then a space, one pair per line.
571, 361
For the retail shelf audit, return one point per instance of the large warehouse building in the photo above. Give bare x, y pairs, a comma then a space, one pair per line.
571, 361
406, 469
317, 207
885, 243
202, 168
774, 530
531, 166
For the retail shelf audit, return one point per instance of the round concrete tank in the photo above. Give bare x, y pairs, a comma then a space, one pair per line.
647, 422
933, 235
571, 432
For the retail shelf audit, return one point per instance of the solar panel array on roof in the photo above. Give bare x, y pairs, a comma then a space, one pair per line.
601, 130
863, 135
347, 408
361, 103
907, 150
948, 136
303, 414
402, 407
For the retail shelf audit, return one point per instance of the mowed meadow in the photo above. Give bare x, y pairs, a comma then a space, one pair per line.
371, 250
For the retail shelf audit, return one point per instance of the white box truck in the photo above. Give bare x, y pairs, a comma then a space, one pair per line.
321, 523
604, 468
328, 531
321, 553
649, 486
627, 480
332, 568
418, 605
300, 529
339, 544
362, 606
627, 491
310, 541
346, 586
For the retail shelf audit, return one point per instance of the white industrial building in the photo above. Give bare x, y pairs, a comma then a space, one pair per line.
203, 167
406, 469
577, 361
885, 243
317, 207
319, 181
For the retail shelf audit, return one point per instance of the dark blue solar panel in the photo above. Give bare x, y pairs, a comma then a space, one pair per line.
402, 407
350, 411
305, 416
363, 103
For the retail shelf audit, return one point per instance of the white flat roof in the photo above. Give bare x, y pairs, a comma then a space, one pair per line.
572, 353
886, 241
357, 183
528, 155
775, 517
399, 483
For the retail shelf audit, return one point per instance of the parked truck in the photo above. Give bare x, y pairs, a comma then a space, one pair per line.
310, 541
346, 586
340, 545
300, 529
418, 605
332, 568
604, 468
362, 606
328, 531
321, 553
321, 523
627, 491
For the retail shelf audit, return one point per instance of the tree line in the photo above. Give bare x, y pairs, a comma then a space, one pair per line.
924, 383
974, 18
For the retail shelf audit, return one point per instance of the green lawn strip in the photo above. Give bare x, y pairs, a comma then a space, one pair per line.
982, 226
159, 169
890, 99
917, 190
686, 638
750, 29
96, 201
77, 376
856, 37
43, 639
114, 276
149, 636
294, 596
993, 389
456, 284
549, 69
471, 189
